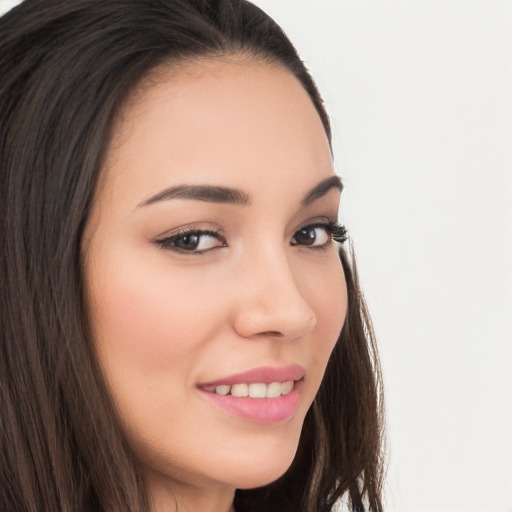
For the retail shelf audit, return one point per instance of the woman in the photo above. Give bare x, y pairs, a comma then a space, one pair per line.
173, 279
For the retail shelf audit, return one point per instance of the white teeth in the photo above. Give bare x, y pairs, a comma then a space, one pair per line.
240, 390
274, 390
256, 389
223, 389
287, 387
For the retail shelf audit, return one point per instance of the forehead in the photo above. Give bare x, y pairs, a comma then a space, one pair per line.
230, 120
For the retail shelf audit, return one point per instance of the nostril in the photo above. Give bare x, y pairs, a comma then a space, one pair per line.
275, 334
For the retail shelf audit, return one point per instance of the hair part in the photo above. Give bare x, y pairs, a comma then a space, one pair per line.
67, 69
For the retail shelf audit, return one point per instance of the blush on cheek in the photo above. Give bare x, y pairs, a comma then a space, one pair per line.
129, 323
148, 321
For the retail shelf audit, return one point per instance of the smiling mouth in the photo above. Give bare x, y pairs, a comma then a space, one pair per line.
253, 389
271, 403
268, 394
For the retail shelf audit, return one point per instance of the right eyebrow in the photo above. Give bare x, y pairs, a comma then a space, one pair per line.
208, 193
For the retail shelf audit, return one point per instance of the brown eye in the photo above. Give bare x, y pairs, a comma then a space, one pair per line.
316, 235
194, 242
188, 242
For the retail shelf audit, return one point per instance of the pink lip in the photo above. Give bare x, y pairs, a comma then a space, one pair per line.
265, 374
259, 410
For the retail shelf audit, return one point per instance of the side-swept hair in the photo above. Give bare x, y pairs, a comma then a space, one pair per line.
66, 67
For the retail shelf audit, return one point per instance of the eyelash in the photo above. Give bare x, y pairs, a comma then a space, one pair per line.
335, 231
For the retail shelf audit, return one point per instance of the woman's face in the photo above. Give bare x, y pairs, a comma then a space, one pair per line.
210, 270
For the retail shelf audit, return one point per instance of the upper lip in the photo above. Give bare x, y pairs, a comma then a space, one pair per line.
264, 374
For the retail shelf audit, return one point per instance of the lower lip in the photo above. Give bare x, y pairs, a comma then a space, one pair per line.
259, 410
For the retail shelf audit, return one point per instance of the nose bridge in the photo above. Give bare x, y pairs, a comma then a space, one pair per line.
271, 300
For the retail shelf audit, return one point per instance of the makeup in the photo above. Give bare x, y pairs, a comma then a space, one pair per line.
215, 288
262, 395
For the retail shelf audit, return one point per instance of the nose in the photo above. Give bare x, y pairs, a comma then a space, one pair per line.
270, 302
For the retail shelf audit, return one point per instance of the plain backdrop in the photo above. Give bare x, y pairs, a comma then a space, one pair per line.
420, 97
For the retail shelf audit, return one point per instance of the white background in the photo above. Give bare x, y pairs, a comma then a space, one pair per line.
420, 96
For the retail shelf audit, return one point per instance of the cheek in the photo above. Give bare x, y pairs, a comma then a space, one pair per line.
151, 324
328, 292
329, 296
145, 317
332, 301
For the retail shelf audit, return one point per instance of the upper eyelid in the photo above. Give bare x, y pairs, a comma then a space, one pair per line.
317, 221
329, 225
190, 228
201, 229
205, 227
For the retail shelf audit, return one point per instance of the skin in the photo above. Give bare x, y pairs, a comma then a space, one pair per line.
164, 320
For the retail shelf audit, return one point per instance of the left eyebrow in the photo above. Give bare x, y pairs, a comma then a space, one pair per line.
214, 194
322, 188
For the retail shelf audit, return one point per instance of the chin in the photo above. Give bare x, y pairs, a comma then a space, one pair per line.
262, 478
264, 467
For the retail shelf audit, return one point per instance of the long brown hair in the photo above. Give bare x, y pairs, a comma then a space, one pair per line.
66, 68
